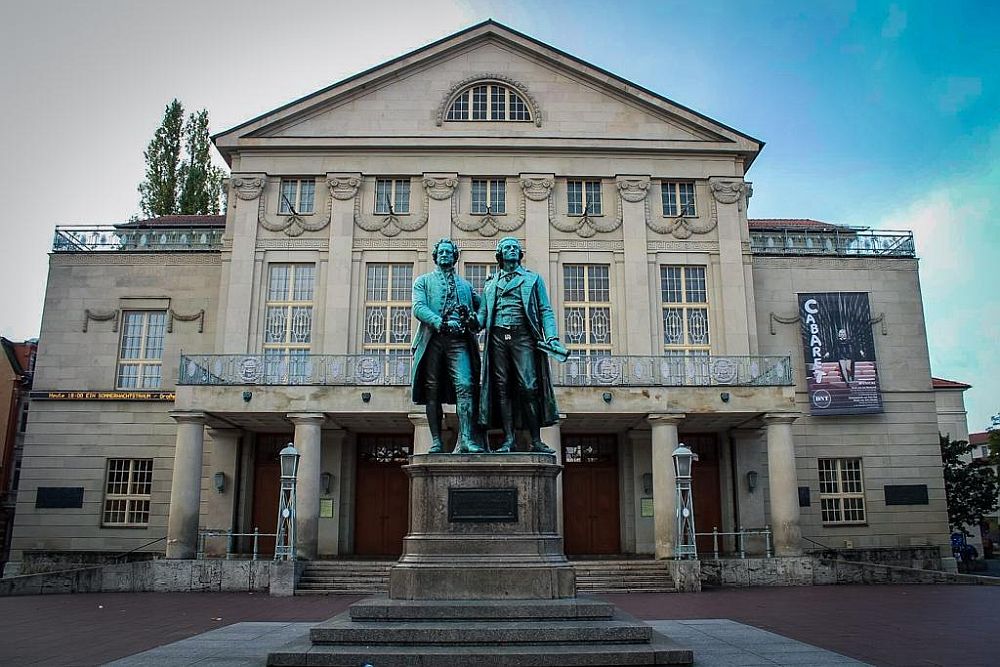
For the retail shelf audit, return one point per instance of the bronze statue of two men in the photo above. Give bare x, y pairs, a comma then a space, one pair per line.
511, 389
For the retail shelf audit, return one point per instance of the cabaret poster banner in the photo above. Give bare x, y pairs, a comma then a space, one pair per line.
840, 353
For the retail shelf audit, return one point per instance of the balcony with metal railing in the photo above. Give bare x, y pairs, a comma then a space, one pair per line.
842, 241
111, 238
375, 370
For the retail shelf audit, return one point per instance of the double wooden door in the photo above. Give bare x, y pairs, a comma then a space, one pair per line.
590, 495
381, 515
705, 486
266, 488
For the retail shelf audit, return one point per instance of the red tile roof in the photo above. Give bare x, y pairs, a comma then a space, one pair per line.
979, 438
180, 221
793, 223
939, 383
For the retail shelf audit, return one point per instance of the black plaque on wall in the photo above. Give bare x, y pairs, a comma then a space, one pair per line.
482, 505
804, 500
56, 497
906, 494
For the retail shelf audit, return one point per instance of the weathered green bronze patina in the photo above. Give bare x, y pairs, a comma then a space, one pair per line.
445, 352
521, 332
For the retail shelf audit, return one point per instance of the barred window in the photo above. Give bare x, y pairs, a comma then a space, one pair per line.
288, 319
476, 274
678, 198
587, 309
392, 196
489, 196
583, 198
489, 102
841, 491
140, 356
684, 300
387, 308
127, 489
297, 196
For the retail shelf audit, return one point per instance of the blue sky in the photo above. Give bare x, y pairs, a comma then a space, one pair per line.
875, 114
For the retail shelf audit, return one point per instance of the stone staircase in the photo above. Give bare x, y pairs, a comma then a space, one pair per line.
366, 577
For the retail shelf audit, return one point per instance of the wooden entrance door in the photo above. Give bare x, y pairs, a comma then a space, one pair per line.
590, 495
266, 487
705, 487
381, 515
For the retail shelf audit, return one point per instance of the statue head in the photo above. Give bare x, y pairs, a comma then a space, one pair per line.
509, 249
842, 334
449, 257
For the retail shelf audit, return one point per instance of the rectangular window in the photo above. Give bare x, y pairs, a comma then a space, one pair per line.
684, 303
841, 491
387, 308
297, 196
584, 197
288, 320
479, 103
127, 489
140, 356
678, 198
392, 195
476, 274
498, 102
587, 309
489, 196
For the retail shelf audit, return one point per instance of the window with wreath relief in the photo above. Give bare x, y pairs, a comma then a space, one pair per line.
583, 198
297, 196
140, 355
489, 195
392, 195
678, 199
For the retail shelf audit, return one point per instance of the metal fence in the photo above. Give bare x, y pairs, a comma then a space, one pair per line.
109, 238
845, 242
231, 538
739, 547
373, 370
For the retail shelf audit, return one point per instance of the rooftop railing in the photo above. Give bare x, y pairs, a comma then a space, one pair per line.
373, 370
108, 238
834, 242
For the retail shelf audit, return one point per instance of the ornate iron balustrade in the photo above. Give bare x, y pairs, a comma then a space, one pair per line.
836, 242
372, 370
108, 238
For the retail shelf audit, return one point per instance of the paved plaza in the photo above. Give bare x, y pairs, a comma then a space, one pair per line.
880, 625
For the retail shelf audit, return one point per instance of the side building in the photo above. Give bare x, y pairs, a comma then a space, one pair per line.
17, 365
179, 355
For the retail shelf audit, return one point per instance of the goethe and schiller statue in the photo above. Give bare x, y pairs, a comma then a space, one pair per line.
511, 389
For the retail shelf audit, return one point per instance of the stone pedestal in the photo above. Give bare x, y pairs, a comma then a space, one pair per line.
482, 527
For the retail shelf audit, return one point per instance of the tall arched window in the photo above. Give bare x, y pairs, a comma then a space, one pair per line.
489, 101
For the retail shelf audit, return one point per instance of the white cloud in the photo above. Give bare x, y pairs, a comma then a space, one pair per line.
895, 22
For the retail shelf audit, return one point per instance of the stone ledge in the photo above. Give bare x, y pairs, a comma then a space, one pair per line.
381, 608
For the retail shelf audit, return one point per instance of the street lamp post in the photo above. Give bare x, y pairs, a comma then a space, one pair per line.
686, 547
284, 547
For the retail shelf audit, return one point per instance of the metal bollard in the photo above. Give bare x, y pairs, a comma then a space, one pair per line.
229, 544
256, 536
767, 540
715, 541
743, 551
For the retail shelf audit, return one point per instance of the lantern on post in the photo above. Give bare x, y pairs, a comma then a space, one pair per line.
284, 547
683, 459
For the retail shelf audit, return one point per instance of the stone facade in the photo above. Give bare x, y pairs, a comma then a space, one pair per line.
627, 403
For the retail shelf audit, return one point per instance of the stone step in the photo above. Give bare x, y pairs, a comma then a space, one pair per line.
344, 630
659, 651
381, 608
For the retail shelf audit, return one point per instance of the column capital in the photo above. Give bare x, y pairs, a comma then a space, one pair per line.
666, 418
780, 417
306, 418
187, 416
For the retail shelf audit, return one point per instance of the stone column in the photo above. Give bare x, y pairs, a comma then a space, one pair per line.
307, 441
639, 334
421, 432
220, 508
552, 436
185, 488
784, 494
664, 442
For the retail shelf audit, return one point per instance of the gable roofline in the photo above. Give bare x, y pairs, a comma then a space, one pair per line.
497, 29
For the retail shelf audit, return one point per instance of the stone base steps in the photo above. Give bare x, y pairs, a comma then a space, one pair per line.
592, 576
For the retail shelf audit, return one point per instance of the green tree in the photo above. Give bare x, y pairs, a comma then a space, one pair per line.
184, 182
971, 487
158, 193
201, 181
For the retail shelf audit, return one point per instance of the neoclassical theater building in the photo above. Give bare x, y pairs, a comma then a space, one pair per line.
179, 355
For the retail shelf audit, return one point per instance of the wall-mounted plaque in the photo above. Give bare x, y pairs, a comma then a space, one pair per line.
59, 497
326, 508
482, 505
646, 507
906, 494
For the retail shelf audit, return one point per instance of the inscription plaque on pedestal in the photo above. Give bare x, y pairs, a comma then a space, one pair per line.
482, 505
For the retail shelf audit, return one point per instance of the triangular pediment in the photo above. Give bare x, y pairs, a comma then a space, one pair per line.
406, 99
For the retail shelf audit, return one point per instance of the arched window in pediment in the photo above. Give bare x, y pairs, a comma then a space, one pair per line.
489, 99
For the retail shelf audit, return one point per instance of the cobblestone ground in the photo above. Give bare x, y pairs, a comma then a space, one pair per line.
882, 625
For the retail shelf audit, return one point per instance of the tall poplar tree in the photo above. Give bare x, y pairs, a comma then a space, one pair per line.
158, 193
180, 182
